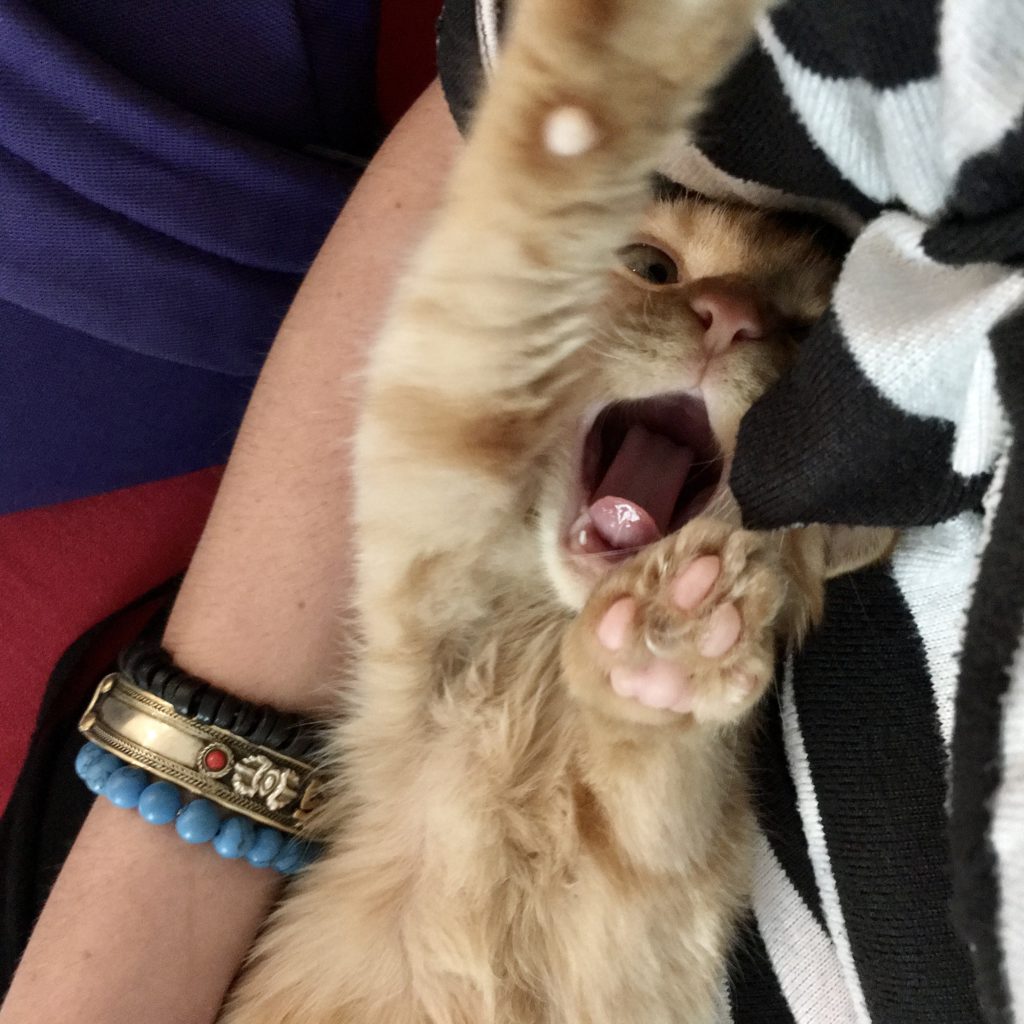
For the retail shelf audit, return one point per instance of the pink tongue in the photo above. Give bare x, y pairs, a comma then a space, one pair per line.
633, 503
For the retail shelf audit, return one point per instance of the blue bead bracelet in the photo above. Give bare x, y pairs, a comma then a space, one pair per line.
197, 821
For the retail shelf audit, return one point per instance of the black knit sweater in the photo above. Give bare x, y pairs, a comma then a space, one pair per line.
890, 870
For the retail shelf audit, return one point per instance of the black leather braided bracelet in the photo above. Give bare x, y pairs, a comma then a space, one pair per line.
241, 776
151, 668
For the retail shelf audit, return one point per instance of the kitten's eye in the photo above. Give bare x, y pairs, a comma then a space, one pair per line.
650, 263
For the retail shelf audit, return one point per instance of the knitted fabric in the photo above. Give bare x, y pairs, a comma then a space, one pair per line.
889, 884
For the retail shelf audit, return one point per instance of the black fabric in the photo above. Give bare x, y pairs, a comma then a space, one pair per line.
777, 811
892, 43
802, 447
992, 182
458, 59
868, 724
995, 623
771, 139
849, 103
754, 992
49, 803
985, 219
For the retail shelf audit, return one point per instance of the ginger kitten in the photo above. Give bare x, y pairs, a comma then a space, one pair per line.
542, 816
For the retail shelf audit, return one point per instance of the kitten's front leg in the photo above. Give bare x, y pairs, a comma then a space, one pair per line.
686, 633
588, 93
485, 362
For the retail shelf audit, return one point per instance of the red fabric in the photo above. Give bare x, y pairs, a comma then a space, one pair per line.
405, 54
66, 567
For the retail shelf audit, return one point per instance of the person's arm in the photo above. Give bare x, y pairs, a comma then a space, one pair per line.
139, 926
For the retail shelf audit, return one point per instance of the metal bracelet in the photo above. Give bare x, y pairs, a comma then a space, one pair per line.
263, 784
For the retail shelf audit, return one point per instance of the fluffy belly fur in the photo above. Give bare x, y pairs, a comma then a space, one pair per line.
540, 814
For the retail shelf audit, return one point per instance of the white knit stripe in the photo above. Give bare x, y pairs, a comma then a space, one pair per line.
981, 53
884, 141
896, 307
802, 955
686, 164
487, 32
817, 848
1007, 830
984, 423
994, 493
935, 568
1008, 837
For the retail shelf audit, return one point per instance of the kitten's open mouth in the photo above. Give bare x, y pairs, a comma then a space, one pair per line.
648, 467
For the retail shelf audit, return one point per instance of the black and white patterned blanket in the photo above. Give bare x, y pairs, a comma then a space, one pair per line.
890, 869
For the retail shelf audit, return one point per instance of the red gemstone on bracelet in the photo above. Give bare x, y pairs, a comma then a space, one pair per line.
215, 760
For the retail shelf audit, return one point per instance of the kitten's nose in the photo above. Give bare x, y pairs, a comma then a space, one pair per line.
729, 314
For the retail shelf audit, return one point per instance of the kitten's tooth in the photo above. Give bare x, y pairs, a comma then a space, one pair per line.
584, 538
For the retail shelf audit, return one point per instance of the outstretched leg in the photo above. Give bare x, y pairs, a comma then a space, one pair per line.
482, 365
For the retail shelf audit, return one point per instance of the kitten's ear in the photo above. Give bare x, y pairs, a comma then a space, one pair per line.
849, 548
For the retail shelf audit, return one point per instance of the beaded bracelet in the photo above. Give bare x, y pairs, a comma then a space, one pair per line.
266, 785
196, 821
151, 668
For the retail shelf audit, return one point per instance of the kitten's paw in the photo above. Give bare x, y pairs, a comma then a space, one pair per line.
614, 58
685, 630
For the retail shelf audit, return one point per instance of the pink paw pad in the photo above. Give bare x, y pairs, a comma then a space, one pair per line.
659, 685
694, 583
615, 624
723, 629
